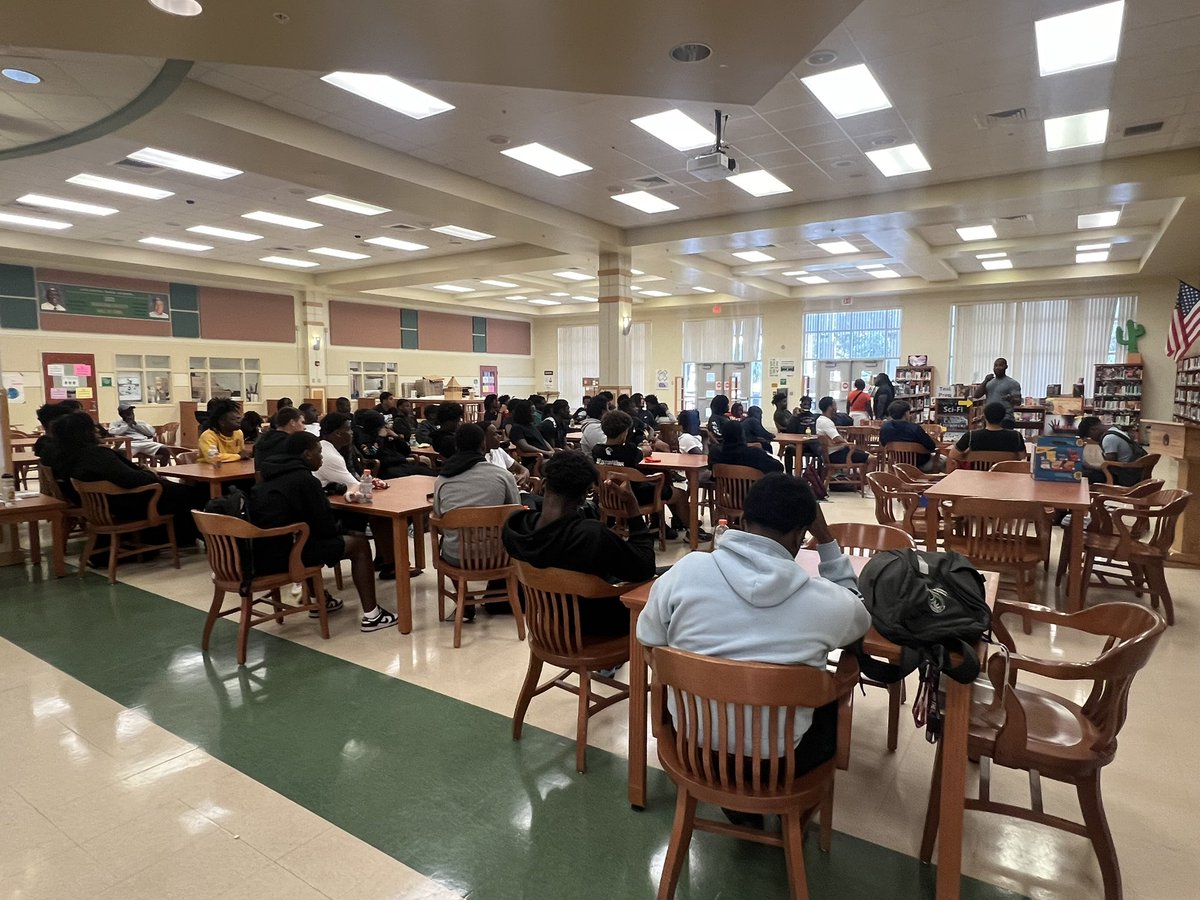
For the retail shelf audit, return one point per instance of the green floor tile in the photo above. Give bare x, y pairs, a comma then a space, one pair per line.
434, 782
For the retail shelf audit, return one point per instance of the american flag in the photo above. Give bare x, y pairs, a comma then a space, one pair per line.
1185, 323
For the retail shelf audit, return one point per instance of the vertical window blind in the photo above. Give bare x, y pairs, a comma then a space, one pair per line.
1044, 341
579, 357
722, 340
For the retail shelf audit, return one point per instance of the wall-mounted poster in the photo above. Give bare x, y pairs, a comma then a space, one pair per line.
129, 386
109, 303
14, 386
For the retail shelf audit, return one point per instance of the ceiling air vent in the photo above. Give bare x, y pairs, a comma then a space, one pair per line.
1144, 128
401, 226
1023, 217
651, 181
138, 166
1003, 118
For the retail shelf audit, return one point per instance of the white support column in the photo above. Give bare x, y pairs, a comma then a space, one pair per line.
314, 335
616, 319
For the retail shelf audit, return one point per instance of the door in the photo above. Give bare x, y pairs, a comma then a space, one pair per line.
835, 377
736, 383
71, 376
488, 380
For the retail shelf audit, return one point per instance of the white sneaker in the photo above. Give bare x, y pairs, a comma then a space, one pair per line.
385, 620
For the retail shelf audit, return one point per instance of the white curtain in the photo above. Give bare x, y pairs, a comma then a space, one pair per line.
722, 340
639, 340
579, 357
1045, 341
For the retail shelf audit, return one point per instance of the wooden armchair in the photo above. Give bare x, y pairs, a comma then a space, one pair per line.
224, 539
913, 475
1143, 468
745, 761
1049, 736
898, 504
74, 522
1100, 521
1020, 466
861, 539
94, 500
609, 499
481, 557
730, 486
554, 599
167, 433
854, 472
903, 453
983, 460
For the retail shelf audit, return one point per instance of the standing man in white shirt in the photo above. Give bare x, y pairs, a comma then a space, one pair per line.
141, 433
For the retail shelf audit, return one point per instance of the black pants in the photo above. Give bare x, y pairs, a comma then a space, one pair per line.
839, 456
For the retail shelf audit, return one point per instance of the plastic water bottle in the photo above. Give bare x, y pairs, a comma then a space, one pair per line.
8, 489
365, 485
214, 457
719, 532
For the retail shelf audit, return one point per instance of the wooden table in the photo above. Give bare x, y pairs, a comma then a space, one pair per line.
216, 477
573, 438
954, 726
690, 464
124, 441
1016, 486
406, 500
33, 510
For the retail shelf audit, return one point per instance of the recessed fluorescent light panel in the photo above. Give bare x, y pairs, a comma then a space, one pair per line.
1096, 257
976, 232
869, 266
495, 282
286, 221
677, 129
338, 254
87, 209
636, 272
453, 288
814, 279
1106, 219
289, 261
848, 92
655, 294
225, 233
390, 92
179, 7
173, 245
573, 276
21, 76
585, 299
998, 255
31, 222
1084, 248
754, 256
542, 157
837, 247
537, 302
465, 233
395, 244
517, 297
883, 273
1077, 40
993, 265
902, 160
760, 183
119, 187
1082, 130
556, 293
181, 163
345, 203
794, 273
703, 290
645, 202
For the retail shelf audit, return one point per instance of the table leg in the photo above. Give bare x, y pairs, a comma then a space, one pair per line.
57, 552
35, 542
1075, 563
214, 489
953, 789
418, 542
404, 620
693, 477
932, 526
637, 716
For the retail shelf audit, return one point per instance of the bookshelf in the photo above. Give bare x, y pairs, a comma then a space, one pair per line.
1118, 394
1187, 391
915, 384
1031, 421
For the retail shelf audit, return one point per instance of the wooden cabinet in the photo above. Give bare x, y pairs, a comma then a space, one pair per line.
1180, 441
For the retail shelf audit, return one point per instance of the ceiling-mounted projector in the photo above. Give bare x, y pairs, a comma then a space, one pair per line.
715, 164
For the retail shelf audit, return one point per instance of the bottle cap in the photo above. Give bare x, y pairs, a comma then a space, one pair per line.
721, 522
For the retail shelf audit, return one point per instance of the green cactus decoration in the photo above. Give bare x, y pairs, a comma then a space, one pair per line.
1129, 339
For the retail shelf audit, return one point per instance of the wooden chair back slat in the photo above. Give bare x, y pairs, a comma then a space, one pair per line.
862, 539
983, 460
895, 503
480, 547
93, 498
902, 453
553, 598
1002, 532
731, 484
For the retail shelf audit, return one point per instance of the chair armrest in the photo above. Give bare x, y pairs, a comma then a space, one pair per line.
295, 563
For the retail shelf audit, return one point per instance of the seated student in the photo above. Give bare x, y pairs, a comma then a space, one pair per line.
646, 407
223, 435
734, 452
639, 431
404, 423
561, 536
251, 426
78, 454
381, 450
141, 434
556, 422
44, 446
491, 408
737, 412
1115, 445
336, 477
659, 411
618, 450
496, 454
449, 418
342, 405
311, 418
755, 431
101, 431
992, 437
288, 494
748, 600
719, 409
427, 427
581, 413
524, 434
898, 428
286, 421
386, 406
593, 434
839, 447
282, 402
467, 479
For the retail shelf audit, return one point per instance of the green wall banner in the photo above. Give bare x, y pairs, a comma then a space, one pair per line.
109, 303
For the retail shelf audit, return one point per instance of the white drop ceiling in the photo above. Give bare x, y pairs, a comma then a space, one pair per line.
944, 65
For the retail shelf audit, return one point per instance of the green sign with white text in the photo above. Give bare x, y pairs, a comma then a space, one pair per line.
109, 303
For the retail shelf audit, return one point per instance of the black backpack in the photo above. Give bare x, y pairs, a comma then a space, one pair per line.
236, 503
1127, 477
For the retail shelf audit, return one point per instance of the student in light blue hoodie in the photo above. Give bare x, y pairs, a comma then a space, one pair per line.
749, 600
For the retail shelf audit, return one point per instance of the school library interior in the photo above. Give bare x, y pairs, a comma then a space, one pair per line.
580, 451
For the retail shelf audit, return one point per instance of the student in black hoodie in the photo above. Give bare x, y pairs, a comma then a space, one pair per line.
290, 493
734, 452
286, 422
561, 536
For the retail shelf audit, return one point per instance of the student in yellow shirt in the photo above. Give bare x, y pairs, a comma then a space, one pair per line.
223, 435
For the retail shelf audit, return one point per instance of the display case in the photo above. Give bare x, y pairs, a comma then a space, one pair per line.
1117, 395
914, 384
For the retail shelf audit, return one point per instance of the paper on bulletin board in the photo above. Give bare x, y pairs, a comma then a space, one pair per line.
83, 394
55, 370
58, 393
14, 386
69, 381
83, 370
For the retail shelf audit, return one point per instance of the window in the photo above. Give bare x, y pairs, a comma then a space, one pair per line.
478, 334
143, 379
722, 356
1046, 342
408, 329
579, 357
219, 377
370, 379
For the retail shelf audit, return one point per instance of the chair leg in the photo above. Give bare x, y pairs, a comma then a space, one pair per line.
460, 608
1157, 577
244, 628
89, 546
214, 613
1064, 553
677, 847
581, 727
337, 576
934, 809
514, 601
793, 851
174, 543
1092, 805
441, 596
827, 818
114, 547
532, 674
895, 698
316, 594
278, 604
